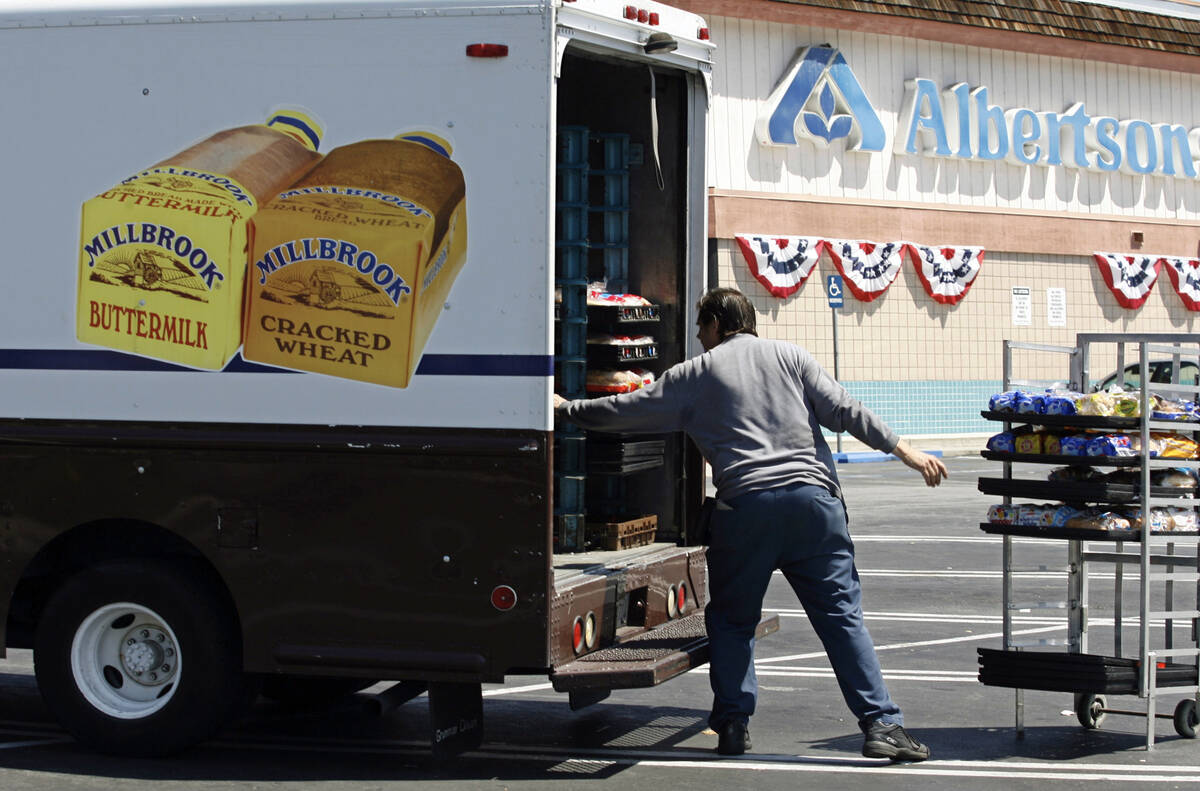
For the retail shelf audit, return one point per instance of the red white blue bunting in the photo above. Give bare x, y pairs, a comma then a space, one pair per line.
868, 267
946, 272
780, 263
1185, 277
1128, 277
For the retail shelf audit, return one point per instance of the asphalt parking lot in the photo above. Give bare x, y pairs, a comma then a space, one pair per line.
932, 594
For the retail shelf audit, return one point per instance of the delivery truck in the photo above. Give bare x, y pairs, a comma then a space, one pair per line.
290, 285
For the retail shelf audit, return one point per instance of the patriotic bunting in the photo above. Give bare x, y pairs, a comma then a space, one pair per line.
1185, 277
946, 272
1129, 277
780, 263
783, 263
869, 268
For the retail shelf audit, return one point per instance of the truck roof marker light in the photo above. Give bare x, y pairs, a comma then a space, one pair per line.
660, 42
654, 18
643, 16
504, 598
589, 631
630, 12
681, 598
577, 635
487, 50
672, 602
703, 34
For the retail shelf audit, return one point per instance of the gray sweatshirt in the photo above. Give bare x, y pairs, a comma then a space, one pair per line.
754, 407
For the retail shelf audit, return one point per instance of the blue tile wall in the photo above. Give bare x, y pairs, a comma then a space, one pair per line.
929, 407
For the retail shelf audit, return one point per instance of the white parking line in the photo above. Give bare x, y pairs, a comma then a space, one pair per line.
901, 538
966, 639
514, 690
589, 761
941, 676
923, 769
839, 762
983, 575
986, 620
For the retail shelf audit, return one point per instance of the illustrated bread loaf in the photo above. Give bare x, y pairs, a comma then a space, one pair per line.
263, 159
353, 263
163, 255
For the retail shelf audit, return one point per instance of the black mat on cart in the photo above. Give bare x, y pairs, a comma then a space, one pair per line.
1079, 491
1063, 672
621, 454
622, 468
1075, 533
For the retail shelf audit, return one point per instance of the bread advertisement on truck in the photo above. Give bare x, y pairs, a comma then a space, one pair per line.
251, 240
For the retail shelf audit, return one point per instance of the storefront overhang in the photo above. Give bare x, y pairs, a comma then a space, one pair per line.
1063, 29
733, 212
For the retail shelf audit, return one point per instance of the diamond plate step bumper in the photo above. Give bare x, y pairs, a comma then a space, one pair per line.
648, 659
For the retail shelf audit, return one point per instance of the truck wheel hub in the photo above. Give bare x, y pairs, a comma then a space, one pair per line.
125, 660
146, 655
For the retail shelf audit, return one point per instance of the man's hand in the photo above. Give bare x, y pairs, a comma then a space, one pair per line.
558, 400
930, 467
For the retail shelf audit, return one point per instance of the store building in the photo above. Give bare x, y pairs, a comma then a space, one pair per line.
1008, 142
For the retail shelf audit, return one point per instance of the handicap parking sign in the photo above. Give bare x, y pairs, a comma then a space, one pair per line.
833, 290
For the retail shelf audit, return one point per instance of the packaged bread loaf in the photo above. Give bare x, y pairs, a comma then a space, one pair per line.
163, 254
602, 382
1098, 519
1074, 475
353, 263
1004, 402
1104, 404
1174, 479
1075, 445
1001, 514
1028, 443
1164, 520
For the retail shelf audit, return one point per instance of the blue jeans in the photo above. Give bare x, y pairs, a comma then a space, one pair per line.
800, 530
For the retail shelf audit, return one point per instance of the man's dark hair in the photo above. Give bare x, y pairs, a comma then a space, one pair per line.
730, 308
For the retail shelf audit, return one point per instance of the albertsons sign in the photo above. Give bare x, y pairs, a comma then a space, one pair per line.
820, 100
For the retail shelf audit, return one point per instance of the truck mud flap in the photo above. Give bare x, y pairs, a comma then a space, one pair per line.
647, 659
456, 717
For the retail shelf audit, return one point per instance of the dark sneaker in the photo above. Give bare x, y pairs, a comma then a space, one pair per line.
888, 740
733, 738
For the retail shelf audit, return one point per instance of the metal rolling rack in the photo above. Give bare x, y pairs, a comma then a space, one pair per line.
571, 279
592, 222
1154, 669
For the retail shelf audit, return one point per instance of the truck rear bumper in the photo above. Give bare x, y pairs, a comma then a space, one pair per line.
648, 659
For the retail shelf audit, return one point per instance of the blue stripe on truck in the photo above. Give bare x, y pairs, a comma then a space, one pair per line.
108, 360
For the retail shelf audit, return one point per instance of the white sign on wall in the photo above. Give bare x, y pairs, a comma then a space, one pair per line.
1056, 307
1022, 306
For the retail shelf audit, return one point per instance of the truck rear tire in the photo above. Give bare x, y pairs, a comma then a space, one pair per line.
139, 658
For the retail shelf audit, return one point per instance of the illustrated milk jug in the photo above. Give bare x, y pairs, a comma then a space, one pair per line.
163, 255
352, 265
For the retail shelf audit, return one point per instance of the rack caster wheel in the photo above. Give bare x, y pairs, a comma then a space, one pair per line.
1185, 718
1089, 709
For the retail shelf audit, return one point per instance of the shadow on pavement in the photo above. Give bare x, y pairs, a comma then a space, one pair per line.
522, 740
1040, 743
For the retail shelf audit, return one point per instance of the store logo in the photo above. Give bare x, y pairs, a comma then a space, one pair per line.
820, 99
961, 122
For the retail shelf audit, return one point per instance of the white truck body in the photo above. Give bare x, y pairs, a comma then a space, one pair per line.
290, 529
98, 91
